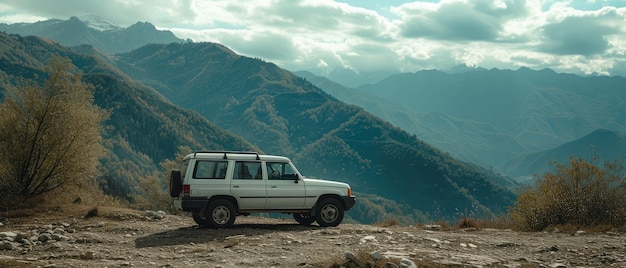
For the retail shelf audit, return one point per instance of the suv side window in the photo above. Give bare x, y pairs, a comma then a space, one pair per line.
280, 171
245, 170
206, 169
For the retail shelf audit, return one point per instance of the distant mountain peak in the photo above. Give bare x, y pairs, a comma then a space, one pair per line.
143, 26
98, 23
603, 134
463, 68
96, 31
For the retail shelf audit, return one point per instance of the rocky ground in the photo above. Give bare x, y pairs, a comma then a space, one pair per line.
126, 238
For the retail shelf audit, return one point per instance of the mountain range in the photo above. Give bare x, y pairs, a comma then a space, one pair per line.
95, 31
204, 96
495, 118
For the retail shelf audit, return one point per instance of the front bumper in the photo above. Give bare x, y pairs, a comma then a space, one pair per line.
349, 201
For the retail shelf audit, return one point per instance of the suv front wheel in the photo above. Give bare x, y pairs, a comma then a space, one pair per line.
329, 212
304, 219
221, 213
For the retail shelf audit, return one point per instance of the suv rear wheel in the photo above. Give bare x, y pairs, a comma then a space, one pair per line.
199, 219
329, 212
221, 213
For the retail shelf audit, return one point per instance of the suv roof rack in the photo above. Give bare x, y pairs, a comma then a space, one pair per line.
228, 152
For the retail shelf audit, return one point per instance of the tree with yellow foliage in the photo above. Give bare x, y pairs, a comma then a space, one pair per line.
50, 133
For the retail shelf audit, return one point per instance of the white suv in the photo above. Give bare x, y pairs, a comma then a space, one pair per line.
216, 186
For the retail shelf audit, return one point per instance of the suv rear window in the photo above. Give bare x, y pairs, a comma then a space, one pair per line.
210, 169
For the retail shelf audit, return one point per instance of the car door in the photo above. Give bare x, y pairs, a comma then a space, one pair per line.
248, 185
285, 190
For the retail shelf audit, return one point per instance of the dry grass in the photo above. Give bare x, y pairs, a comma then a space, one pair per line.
499, 222
8, 262
45, 214
387, 223
61, 204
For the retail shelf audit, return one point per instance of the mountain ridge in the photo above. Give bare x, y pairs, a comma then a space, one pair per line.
109, 38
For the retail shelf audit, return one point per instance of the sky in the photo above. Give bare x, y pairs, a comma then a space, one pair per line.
571, 36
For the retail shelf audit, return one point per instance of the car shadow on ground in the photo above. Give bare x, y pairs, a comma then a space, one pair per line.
197, 234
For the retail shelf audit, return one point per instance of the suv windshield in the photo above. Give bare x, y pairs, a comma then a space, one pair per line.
280, 171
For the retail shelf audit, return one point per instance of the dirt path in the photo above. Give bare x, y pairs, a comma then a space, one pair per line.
131, 239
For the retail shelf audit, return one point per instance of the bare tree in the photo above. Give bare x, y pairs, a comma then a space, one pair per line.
50, 134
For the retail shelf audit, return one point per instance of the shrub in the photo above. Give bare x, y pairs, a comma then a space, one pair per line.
580, 193
50, 133
467, 223
153, 190
92, 213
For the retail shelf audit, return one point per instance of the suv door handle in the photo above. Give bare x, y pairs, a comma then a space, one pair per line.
274, 186
235, 186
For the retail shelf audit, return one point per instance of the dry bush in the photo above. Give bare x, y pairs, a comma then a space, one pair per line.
92, 213
467, 223
582, 194
497, 222
153, 192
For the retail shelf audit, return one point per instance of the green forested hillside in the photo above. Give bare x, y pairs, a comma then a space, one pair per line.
144, 128
284, 114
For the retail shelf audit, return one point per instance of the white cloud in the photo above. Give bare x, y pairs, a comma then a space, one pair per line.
572, 36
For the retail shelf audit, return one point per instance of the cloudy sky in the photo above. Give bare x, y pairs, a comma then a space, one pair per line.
574, 36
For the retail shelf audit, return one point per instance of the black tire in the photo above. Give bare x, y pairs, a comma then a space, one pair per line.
304, 218
176, 183
199, 219
221, 213
329, 212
